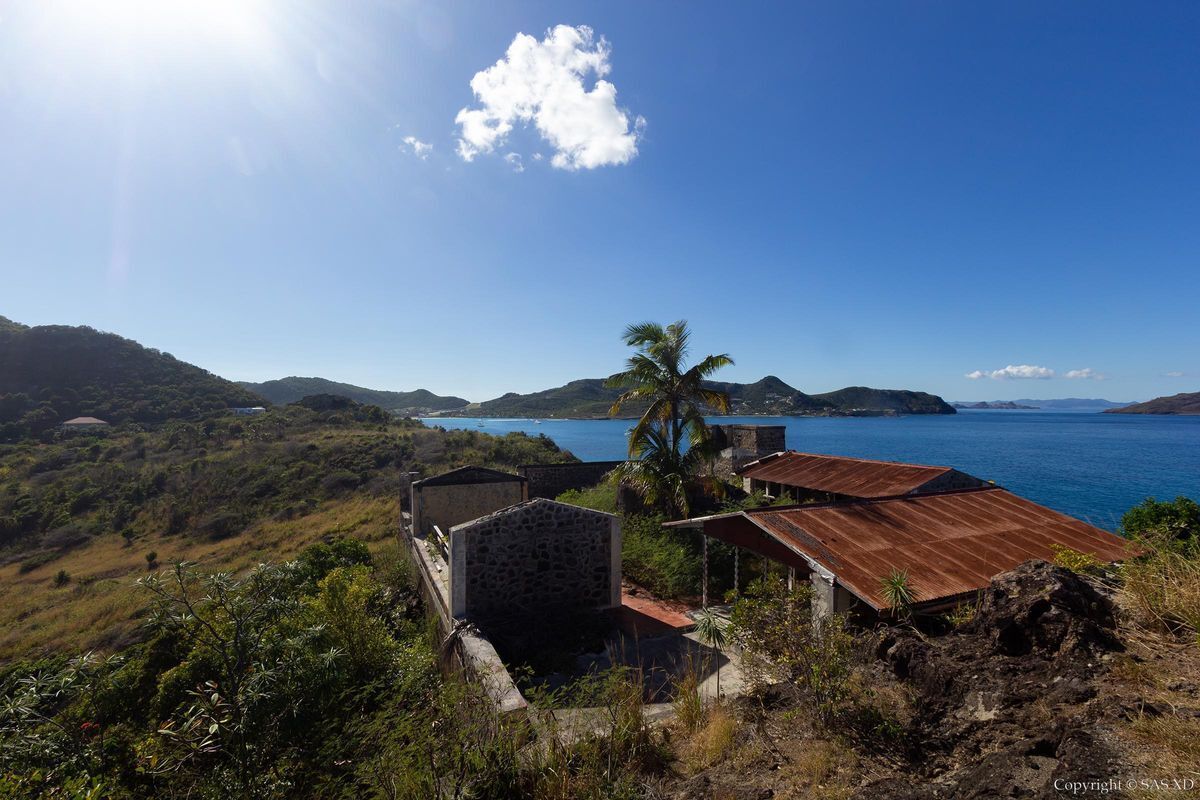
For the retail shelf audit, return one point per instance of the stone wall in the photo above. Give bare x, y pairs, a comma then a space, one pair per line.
450, 505
551, 480
535, 557
741, 444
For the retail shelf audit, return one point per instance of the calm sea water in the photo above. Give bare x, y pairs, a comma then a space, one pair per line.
1092, 466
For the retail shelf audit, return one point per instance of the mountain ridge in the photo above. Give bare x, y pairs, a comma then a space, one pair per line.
589, 398
293, 388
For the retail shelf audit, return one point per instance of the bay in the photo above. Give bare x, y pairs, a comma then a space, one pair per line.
1089, 465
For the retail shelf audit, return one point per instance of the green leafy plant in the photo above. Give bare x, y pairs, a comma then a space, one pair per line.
897, 592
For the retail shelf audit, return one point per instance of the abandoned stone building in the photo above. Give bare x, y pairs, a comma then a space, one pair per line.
740, 444
461, 495
534, 558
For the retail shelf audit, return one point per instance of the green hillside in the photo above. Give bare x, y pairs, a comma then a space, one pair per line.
589, 398
51, 373
1185, 403
899, 401
291, 389
229, 492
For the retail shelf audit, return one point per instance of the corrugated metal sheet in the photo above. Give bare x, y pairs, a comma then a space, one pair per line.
854, 477
950, 544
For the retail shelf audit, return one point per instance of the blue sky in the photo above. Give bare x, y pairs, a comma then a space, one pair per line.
895, 195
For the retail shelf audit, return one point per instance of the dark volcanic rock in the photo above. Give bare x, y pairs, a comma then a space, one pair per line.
1003, 701
1045, 608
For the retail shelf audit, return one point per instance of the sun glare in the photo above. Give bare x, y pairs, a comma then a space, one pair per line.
158, 26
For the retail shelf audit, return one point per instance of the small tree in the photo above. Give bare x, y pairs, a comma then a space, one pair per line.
711, 631
152, 559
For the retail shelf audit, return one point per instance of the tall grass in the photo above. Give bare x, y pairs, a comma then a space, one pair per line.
1163, 590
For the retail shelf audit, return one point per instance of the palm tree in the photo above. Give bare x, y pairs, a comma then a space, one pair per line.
670, 441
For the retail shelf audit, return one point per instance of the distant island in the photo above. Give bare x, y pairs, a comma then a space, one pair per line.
994, 405
1074, 404
590, 399
414, 403
1184, 403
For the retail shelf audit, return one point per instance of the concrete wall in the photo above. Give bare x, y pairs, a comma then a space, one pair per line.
450, 505
551, 480
538, 556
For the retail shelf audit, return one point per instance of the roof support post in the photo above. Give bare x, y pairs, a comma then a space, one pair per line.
704, 577
736, 552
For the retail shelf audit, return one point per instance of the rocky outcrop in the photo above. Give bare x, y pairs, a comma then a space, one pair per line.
1003, 702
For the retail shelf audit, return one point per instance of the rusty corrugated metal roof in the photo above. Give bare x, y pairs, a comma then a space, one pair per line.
950, 544
854, 477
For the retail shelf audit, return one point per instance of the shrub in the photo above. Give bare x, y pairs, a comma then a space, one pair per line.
221, 525
341, 605
601, 497
1077, 562
1175, 523
782, 642
62, 578
666, 562
36, 560
339, 480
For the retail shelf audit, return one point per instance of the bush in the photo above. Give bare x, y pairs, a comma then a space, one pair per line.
601, 497
666, 562
341, 605
1175, 523
782, 643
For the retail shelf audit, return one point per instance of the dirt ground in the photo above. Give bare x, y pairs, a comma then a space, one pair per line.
1048, 692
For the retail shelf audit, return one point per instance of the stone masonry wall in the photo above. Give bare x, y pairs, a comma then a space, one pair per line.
551, 480
540, 556
447, 506
741, 444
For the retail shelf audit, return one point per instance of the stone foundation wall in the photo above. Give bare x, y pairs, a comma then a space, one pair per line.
551, 480
538, 556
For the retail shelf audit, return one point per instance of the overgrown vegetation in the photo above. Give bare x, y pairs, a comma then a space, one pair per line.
1163, 585
229, 492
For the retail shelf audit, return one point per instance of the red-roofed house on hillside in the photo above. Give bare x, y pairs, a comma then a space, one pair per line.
951, 544
808, 477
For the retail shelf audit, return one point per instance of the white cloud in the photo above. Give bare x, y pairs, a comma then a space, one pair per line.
514, 160
1013, 371
415, 146
1174, 374
1087, 373
543, 83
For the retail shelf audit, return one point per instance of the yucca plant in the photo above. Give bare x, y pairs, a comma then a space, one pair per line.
897, 592
710, 629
